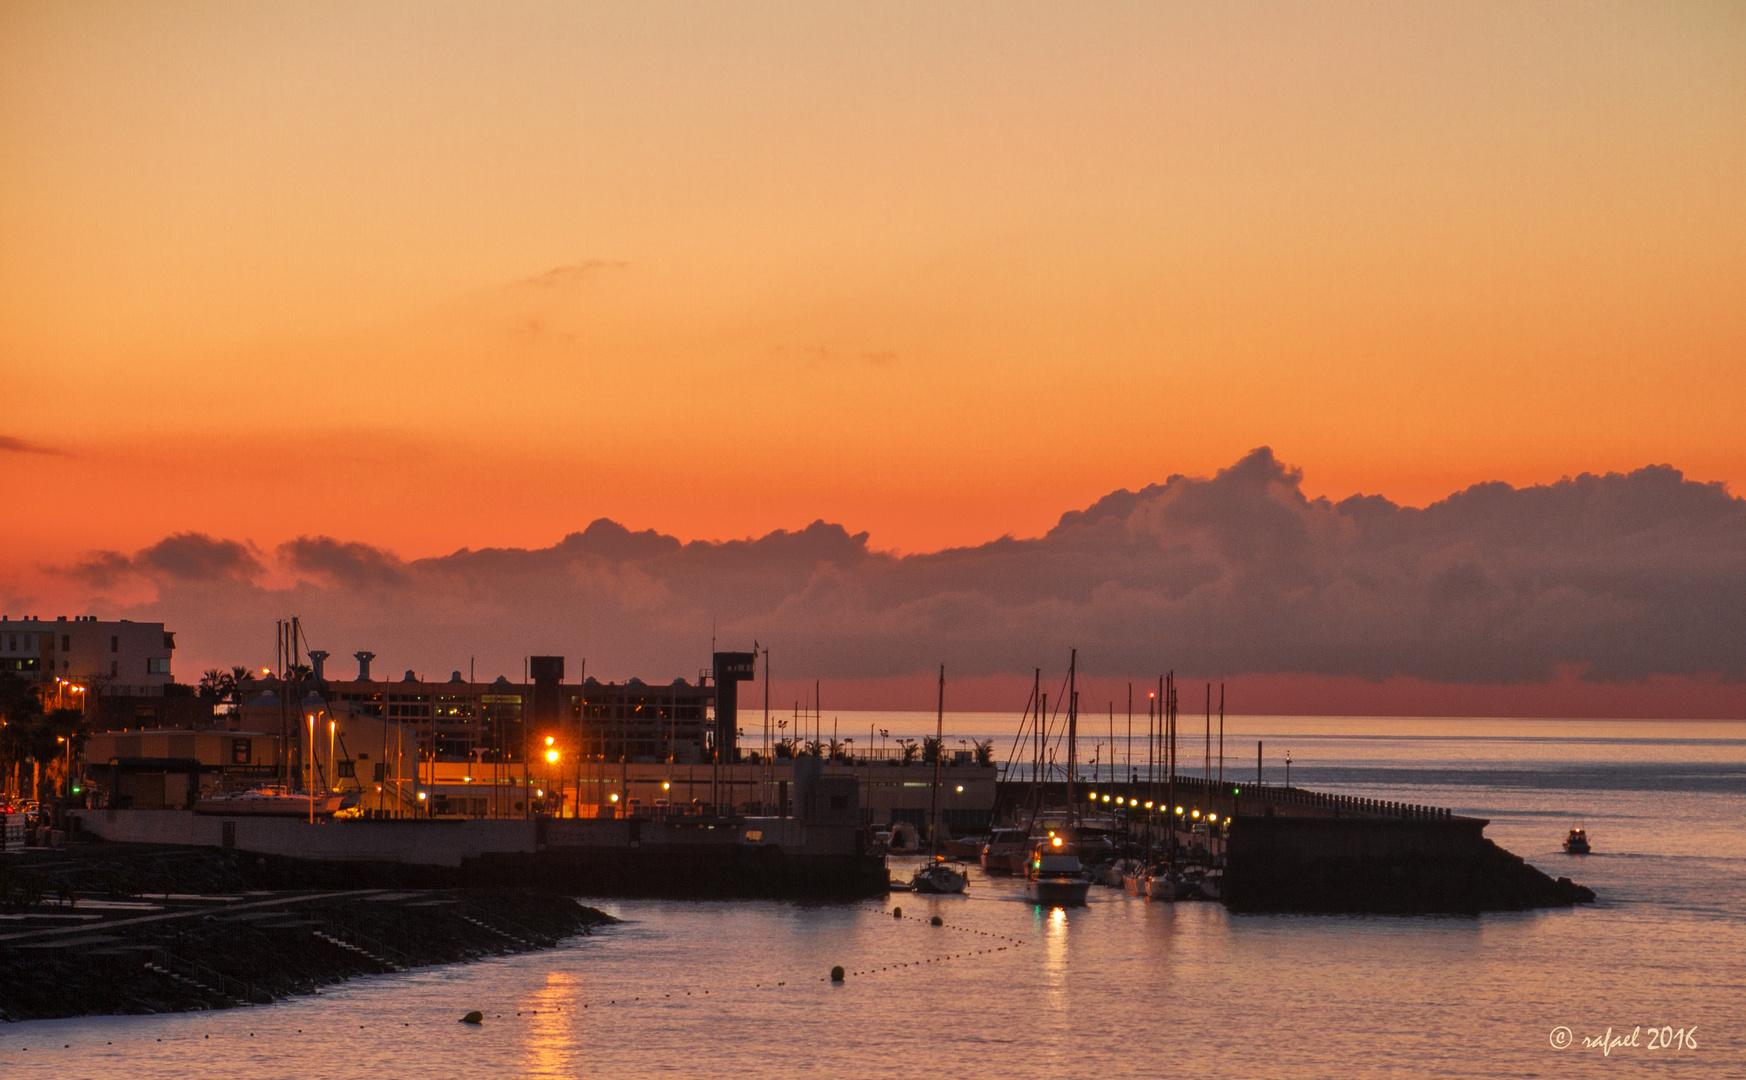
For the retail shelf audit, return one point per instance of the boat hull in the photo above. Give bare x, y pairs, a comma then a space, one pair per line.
291, 806
1003, 862
939, 881
1058, 892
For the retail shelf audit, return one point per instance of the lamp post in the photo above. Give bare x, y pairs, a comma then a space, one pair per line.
552, 759
309, 768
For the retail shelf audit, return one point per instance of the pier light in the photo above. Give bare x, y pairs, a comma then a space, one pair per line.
1179, 810
551, 757
1197, 813
1212, 817
1092, 796
1056, 841
1106, 798
665, 785
421, 796
541, 792
1148, 804
960, 789
466, 779
550, 740
613, 797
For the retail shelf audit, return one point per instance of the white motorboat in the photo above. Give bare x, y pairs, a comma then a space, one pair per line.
1159, 883
1055, 877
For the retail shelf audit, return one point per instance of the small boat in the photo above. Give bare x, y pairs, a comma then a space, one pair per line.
273, 800
1116, 874
1212, 885
1055, 877
1134, 880
904, 837
1576, 843
937, 877
968, 848
1157, 883
1006, 851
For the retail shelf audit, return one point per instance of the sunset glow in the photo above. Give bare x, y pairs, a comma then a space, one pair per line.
425, 278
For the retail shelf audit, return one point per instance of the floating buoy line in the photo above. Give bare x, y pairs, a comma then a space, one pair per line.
837, 974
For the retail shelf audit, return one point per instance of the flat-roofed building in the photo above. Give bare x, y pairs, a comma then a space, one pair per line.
120, 657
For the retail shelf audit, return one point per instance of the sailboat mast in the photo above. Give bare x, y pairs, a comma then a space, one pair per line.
1037, 725
939, 752
1206, 765
1072, 729
1170, 756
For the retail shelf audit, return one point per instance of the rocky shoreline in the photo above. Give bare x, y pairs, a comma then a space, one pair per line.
114, 929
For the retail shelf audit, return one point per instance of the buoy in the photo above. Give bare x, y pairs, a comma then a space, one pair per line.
474, 1017
937, 921
897, 913
837, 973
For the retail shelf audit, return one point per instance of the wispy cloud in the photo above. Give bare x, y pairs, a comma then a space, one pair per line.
10, 445
572, 273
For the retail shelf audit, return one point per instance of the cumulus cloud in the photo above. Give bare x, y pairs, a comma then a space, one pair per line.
1620, 577
180, 558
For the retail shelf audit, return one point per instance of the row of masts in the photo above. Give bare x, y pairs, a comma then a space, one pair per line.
1039, 729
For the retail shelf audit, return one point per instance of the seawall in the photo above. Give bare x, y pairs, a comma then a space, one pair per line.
1381, 864
681, 857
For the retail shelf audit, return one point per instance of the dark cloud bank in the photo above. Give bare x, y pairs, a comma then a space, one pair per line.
1616, 577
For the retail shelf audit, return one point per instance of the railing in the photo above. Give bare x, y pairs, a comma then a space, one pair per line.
204, 977
1199, 790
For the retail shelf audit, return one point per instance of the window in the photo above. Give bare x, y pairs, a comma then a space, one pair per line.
114, 668
66, 643
241, 751
114, 643
381, 771
346, 769
158, 665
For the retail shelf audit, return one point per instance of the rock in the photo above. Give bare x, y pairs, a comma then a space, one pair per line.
474, 1017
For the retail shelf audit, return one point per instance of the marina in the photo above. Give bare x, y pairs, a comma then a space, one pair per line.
1080, 989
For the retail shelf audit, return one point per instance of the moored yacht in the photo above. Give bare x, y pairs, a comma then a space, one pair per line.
272, 800
1006, 851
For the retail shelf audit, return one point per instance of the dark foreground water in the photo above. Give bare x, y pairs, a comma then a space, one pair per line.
1121, 988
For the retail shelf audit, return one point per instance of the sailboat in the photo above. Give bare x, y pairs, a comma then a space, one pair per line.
937, 876
1054, 876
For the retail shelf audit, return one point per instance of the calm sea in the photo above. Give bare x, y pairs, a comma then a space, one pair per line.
1122, 987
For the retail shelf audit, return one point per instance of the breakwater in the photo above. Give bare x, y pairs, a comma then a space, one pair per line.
680, 856
1387, 864
106, 929
1290, 849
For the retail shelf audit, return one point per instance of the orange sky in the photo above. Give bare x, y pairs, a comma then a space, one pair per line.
428, 277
